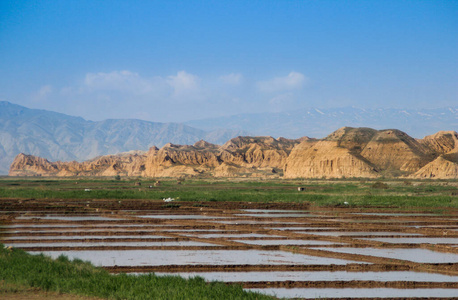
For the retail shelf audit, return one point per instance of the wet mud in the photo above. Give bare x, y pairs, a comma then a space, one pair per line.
243, 237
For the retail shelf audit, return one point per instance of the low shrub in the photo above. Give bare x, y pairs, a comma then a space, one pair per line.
380, 185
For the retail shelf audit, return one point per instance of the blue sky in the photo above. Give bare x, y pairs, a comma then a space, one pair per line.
183, 60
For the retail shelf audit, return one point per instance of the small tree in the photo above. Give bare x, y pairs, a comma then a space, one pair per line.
118, 177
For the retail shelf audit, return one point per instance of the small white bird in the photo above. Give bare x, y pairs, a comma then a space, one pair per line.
346, 203
168, 199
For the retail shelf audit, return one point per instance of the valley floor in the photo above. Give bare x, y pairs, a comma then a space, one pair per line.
290, 238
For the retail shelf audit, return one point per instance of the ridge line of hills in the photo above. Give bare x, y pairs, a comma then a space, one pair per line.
57, 136
347, 152
318, 122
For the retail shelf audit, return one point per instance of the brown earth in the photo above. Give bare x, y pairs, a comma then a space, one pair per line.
17, 292
347, 152
320, 220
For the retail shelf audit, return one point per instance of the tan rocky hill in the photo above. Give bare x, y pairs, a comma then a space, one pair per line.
365, 152
396, 152
241, 156
129, 163
336, 156
326, 159
440, 168
443, 144
347, 152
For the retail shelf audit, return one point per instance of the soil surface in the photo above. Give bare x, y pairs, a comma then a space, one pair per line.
104, 225
14, 292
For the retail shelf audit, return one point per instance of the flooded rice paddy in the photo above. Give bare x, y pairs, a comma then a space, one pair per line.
389, 293
319, 276
271, 248
196, 257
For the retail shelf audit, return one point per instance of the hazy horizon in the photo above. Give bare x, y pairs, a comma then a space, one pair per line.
176, 61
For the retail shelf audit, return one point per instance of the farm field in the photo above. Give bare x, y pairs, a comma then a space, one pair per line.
330, 239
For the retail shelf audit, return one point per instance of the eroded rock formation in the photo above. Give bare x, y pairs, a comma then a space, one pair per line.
347, 152
241, 156
444, 146
365, 152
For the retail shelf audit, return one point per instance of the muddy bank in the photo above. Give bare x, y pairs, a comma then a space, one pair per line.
240, 237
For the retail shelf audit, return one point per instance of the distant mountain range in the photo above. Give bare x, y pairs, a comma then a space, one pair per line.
314, 122
57, 136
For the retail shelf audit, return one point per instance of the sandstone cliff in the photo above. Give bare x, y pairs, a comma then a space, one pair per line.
128, 164
178, 160
365, 152
257, 152
241, 156
395, 151
336, 156
326, 159
445, 166
442, 142
440, 168
347, 152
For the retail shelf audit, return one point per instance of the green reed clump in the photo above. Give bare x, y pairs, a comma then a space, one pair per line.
78, 277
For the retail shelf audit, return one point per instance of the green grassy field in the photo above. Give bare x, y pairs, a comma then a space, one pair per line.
357, 193
18, 268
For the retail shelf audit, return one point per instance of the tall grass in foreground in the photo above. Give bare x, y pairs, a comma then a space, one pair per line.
81, 278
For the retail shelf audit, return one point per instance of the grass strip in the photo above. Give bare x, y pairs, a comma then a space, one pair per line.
320, 198
82, 278
357, 193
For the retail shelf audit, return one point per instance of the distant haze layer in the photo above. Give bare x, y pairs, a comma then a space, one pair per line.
56, 136
318, 122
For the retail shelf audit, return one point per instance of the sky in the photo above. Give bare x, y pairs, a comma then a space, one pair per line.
174, 61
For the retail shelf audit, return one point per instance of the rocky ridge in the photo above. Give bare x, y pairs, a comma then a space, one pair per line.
347, 152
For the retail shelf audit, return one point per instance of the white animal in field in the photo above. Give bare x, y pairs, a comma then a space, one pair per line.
168, 199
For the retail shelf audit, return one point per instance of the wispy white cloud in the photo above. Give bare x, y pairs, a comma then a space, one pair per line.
173, 97
181, 85
231, 79
184, 84
293, 81
45, 90
43, 93
126, 81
